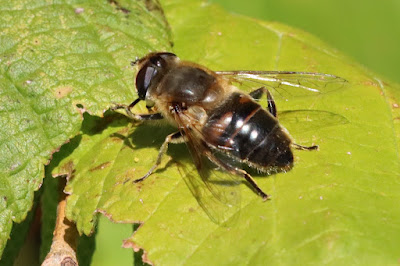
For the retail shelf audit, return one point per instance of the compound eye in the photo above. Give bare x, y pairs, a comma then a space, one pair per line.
143, 80
157, 61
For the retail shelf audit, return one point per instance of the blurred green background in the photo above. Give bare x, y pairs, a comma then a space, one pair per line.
368, 30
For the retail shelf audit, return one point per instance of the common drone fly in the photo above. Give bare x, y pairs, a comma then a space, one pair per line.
220, 123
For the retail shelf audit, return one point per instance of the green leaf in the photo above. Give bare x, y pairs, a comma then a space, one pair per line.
337, 205
19, 237
55, 58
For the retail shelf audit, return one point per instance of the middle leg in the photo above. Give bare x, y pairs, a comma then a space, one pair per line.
175, 138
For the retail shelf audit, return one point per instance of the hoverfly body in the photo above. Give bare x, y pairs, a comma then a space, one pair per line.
215, 118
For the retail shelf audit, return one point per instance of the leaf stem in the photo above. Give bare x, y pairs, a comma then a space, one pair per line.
65, 236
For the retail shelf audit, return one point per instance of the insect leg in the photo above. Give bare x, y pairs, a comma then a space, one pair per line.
175, 138
136, 117
258, 93
271, 104
252, 182
301, 147
240, 172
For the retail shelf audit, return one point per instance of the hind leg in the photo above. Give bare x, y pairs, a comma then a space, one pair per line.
308, 148
258, 93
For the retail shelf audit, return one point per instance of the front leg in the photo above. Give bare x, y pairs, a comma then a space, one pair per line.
136, 117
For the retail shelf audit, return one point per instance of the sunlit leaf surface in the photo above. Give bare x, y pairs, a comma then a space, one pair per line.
337, 205
54, 59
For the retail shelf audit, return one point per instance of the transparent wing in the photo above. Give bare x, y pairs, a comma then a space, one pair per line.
216, 191
286, 84
299, 121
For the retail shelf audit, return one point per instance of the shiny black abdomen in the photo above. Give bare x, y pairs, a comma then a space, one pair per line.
245, 130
